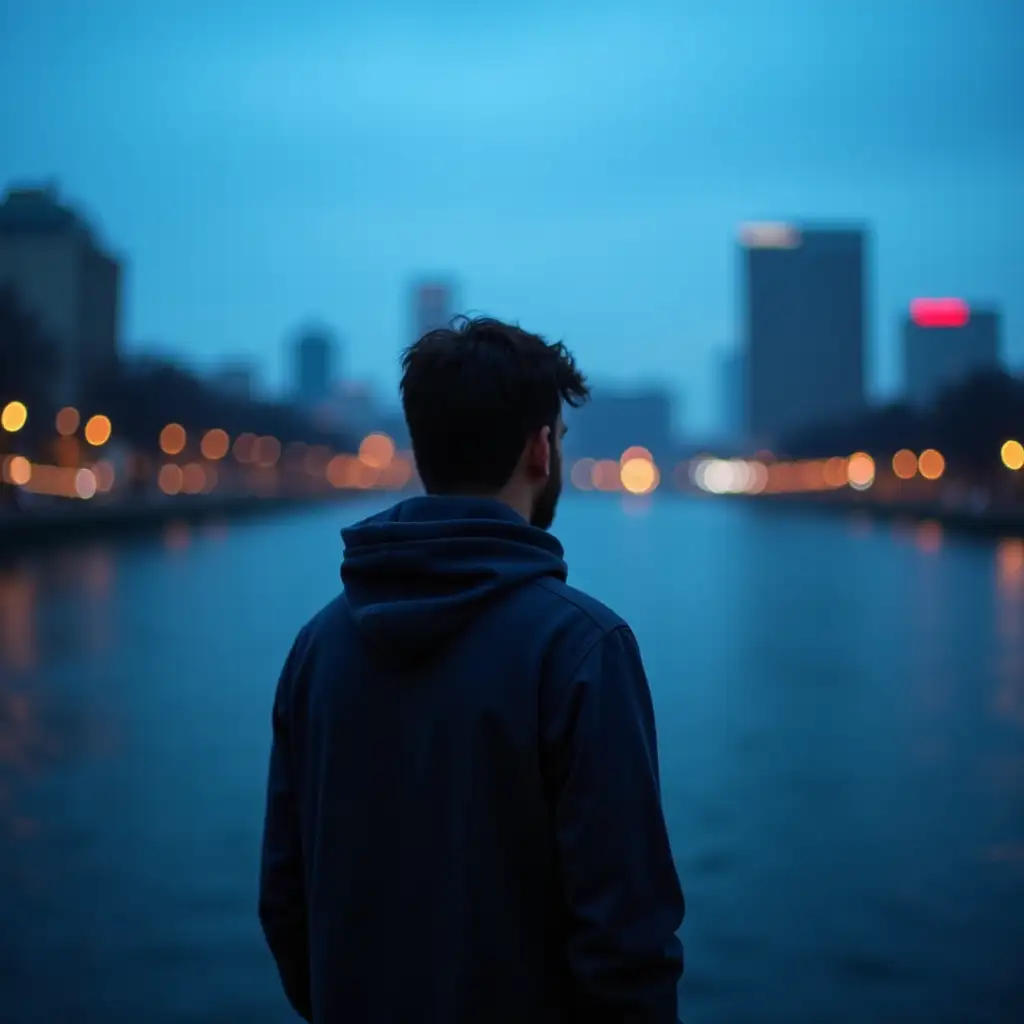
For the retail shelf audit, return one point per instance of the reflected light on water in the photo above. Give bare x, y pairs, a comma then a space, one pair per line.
1009, 697
18, 638
928, 537
176, 536
1010, 565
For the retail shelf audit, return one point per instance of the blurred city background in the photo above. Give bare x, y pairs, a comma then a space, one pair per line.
783, 239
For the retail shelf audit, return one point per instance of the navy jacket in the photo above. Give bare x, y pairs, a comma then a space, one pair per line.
464, 821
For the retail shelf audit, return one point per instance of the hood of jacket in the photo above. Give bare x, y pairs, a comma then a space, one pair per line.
417, 573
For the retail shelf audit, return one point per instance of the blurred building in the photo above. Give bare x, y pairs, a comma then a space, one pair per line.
945, 341
731, 394
618, 418
235, 380
53, 259
803, 294
433, 306
353, 407
314, 355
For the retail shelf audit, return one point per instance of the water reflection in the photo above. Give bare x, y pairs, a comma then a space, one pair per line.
19, 648
177, 536
928, 537
25, 749
1009, 696
864, 797
1010, 566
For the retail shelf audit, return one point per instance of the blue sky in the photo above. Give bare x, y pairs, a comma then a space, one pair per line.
579, 167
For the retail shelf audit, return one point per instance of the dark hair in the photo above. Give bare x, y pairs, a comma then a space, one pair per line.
474, 393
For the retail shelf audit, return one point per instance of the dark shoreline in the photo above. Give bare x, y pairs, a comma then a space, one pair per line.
49, 529
989, 522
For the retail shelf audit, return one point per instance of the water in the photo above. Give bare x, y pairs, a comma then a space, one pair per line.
841, 716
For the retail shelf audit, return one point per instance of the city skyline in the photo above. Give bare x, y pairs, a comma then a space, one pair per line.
596, 208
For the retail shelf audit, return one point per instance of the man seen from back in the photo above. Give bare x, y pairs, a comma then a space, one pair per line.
464, 821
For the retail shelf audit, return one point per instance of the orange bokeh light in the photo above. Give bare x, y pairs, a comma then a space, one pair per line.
215, 444
376, 451
904, 464
97, 430
170, 478
67, 421
930, 464
173, 439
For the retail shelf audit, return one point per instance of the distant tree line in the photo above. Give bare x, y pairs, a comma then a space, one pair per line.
139, 399
969, 424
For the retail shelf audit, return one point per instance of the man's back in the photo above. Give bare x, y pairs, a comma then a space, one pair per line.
464, 821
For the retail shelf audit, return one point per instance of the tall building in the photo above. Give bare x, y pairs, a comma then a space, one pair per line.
314, 354
433, 306
52, 258
731, 394
804, 326
944, 342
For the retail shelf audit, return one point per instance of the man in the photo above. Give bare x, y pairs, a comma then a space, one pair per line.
464, 821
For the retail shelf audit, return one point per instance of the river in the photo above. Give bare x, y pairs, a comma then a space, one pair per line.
841, 721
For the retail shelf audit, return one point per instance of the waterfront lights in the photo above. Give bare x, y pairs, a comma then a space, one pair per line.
172, 439
376, 451
931, 464
638, 476
860, 471
97, 431
13, 417
67, 421
215, 444
1012, 454
904, 464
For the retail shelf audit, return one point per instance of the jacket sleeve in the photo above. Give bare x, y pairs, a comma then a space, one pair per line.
623, 899
282, 900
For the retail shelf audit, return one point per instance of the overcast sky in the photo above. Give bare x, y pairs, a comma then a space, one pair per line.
580, 167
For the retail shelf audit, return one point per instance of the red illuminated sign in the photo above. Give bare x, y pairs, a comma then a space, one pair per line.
939, 312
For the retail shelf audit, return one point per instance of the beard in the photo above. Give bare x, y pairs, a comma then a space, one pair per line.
545, 504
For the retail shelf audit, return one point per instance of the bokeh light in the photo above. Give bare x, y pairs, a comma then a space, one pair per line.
582, 474
860, 471
244, 447
605, 475
18, 470
1012, 454
169, 479
266, 451
931, 464
173, 439
635, 452
376, 451
97, 430
14, 417
638, 475
193, 478
85, 483
67, 421
904, 464
834, 472
215, 444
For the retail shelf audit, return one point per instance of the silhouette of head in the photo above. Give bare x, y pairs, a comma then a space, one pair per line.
483, 402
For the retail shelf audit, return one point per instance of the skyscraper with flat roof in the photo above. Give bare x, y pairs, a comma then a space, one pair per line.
945, 341
804, 309
433, 306
314, 355
52, 258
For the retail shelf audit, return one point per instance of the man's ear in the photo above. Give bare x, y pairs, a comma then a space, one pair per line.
538, 454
